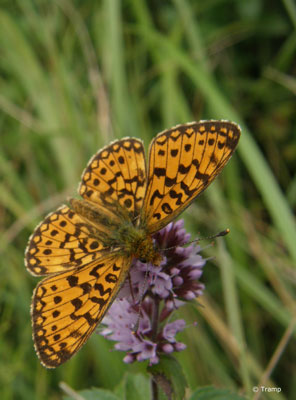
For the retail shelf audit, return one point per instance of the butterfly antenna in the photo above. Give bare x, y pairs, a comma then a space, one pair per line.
222, 233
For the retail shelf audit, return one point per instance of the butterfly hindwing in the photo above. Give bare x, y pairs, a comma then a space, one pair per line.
62, 241
67, 307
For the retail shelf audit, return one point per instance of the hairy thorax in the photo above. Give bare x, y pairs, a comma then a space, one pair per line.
116, 230
137, 243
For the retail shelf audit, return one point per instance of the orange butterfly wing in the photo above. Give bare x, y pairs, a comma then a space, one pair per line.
67, 307
116, 177
62, 241
183, 161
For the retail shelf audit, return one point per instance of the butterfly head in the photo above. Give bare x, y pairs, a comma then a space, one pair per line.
153, 256
141, 246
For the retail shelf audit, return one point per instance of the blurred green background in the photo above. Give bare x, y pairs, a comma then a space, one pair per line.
75, 75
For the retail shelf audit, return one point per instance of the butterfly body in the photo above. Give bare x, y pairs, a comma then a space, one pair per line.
128, 237
86, 249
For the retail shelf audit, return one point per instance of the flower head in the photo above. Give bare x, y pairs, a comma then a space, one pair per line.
138, 318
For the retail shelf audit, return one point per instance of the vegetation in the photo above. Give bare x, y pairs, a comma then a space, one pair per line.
76, 75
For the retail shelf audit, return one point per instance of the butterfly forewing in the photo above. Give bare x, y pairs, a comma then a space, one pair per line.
183, 161
117, 175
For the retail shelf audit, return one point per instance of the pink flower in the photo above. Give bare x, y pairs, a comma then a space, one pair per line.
158, 290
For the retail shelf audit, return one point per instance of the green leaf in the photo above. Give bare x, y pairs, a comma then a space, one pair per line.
169, 377
134, 387
212, 393
93, 394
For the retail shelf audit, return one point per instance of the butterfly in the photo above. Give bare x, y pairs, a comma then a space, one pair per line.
86, 248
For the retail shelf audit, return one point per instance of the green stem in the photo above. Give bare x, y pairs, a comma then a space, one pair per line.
155, 317
154, 388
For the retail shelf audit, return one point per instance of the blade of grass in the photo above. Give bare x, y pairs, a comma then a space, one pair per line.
115, 67
291, 10
233, 310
